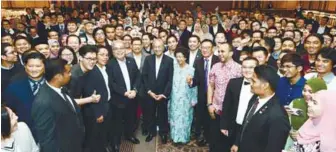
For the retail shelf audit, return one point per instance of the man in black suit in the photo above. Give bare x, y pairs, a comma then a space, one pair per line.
183, 33
95, 115
139, 58
157, 76
236, 100
60, 26
124, 83
215, 26
56, 115
44, 27
6, 28
201, 77
194, 51
266, 125
323, 28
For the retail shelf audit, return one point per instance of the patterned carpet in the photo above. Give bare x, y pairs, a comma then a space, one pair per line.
126, 146
190, 147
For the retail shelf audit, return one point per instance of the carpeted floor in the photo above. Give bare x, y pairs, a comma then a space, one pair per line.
190, 147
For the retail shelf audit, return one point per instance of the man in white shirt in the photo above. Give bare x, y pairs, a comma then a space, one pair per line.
266, 125
323, 26
236, 100
194, 52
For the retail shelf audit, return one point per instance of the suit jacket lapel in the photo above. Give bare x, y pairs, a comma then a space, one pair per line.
55, 95
129, 69
239, 86
120, 72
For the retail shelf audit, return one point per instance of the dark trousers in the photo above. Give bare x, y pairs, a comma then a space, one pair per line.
202, 121
96, 138
124, 120
218, 142
156, 113
233, 133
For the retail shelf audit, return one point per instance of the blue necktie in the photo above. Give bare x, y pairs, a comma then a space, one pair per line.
206, 74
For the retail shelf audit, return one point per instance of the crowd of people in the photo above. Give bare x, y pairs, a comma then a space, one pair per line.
76, 81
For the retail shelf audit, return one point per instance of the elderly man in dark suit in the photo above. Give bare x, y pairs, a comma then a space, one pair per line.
157, 75
266, 125
56, 115
124, 82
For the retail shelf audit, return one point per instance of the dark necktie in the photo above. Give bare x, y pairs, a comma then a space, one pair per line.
65, 92
249, 116
62, 28
246, 83
35, 87
206, 74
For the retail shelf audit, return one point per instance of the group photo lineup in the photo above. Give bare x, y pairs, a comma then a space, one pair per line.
168, 76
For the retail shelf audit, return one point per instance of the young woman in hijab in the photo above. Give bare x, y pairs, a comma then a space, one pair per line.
318, 132
298, 119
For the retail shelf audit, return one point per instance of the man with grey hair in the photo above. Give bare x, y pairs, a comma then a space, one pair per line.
157, 86
124, 77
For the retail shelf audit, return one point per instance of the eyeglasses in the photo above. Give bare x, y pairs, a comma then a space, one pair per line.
67, 55
90, 59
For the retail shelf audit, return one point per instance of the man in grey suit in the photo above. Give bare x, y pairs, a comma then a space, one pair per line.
139, 57
56, 115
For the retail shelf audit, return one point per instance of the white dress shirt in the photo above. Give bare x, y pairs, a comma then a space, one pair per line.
192, 57
262, 102
124, 71
320, 30
90, 40
105, 76
157, 65
215, 29
137, 59
209, 66
189, 28
244, 99
59, 92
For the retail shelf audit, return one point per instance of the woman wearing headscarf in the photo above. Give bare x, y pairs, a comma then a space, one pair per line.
206, 34
318, 133
297, 119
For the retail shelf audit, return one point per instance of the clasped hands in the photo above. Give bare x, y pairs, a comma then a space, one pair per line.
130, 94
156, 97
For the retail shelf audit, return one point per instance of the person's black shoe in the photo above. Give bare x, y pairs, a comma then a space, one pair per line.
109, 148
149, 138
144, 132
200, 142
133, 140
116, 148
164, 139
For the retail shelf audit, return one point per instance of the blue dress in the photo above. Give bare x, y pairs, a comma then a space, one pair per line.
180, 108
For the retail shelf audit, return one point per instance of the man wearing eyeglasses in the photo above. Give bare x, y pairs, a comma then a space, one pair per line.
87, 60
291, 85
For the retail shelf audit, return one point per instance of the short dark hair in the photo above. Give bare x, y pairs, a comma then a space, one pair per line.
3, 48
269, 74
127, 35
150, 36
21, 38
183, 50
287, 39
293, 58
327, 18
104, 47
271, 18
96, 30
256, 21
163, 30
195, 36
207, 40
320, 37
75, 60
5, 122
33, 55
260, 48
296, 30
261, 33
271, 28
328, 53
171, 36
136, 39
72, 35
87, 49
54, 67
251, 58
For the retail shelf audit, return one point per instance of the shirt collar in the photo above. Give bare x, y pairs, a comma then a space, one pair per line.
101, 68
301, 82
54, 88
2, 67
329, 77
264, 100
